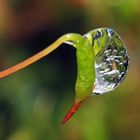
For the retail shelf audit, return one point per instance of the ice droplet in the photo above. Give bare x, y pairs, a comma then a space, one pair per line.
111, 59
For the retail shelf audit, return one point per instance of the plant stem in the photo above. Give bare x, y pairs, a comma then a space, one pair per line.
64, 39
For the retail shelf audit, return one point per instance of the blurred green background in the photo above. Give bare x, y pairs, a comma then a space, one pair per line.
34, 100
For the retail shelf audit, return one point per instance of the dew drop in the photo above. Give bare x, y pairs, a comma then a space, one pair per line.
111, 59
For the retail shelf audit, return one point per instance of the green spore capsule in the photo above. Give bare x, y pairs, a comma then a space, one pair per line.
110, 62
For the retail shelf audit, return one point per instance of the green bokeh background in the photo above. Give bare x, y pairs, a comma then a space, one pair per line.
33, 101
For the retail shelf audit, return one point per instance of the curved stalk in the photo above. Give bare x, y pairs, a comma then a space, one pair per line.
41, 54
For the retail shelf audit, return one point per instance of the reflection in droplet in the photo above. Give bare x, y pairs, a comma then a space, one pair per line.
111, 62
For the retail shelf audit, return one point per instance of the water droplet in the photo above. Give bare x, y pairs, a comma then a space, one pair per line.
111, 61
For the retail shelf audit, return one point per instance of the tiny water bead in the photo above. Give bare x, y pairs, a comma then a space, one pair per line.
111, 59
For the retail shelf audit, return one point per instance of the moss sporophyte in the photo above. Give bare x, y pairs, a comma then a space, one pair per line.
102, 63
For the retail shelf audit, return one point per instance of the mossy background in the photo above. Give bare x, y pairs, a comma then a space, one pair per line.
34, 100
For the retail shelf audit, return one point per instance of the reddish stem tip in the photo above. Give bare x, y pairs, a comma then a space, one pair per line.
73, 109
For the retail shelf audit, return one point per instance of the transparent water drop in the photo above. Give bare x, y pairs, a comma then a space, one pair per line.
111, 59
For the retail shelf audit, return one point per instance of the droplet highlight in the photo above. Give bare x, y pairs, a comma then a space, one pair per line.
111, 59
